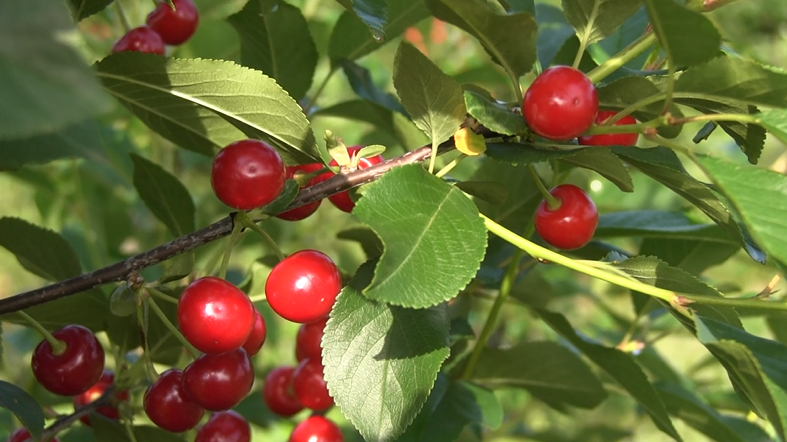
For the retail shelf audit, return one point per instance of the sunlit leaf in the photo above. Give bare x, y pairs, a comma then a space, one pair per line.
687, 37
596, 19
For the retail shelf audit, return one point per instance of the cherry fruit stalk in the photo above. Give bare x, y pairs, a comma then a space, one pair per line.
570, 225
627, 139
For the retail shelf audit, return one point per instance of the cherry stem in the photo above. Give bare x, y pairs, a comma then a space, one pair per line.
450, 166
237, 227
627, 54
142, 319
248, 222
161, 295
58, 347
122, 15
258, 298
553, 203
585, 37
170, 326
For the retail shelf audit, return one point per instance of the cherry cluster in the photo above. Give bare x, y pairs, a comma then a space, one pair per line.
164, 26
562, 104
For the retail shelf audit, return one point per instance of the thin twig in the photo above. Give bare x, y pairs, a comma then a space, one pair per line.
66, 421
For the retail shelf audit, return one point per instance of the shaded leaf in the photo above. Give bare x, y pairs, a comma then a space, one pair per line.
369, 241
287, 195
749, 137
276, 40
374, 13
361, 81
381, 361
658, 224
200, 113
90, 309
605, 163
494, 193
626, 91
553, 31
687, 37
693, 256
517, 210
596, 19
428, 228
164, 195
23, 406
85, 8
177, 268
775, 122
164, 346
494, 116
39, 250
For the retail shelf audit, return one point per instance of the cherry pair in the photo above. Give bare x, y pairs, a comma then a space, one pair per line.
164, 26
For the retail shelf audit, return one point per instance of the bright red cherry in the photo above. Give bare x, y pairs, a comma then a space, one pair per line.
247, 174
141, 39
95, 392
219, 382
78, 368
306, 210
174, 26
214, 315
308, 340
628, 139
225, 426
21, 435
277, 392
571, 225
561, 104
303, 287
342, 200
308, 384
257, 336
316, 429
167, 405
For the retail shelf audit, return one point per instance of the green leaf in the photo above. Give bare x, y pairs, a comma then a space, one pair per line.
287, 195
759, 196
44, 82
433, 99
187, 101
517, 210
690, 255
85, 8
489, 191
775, 122
687, 37
553, 31
90, 309
374, 13
517, 154
40, 251
618, 365
757, 367
108, 430
661, 164
685, 405
731, 79
494, 116
428, 228
277, 41
381, 361
367, 239
361, 81
596, 19
749, 137
494, 31
351, 38
164, 346
177, 268
626, 91
547, 370
605, 163
23, 406
164, 195
658, 224
655, 272
123, 301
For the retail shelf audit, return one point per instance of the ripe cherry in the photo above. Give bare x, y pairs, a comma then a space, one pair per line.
141, 39
220, 381
628, 139
167, 405
277, 392
214, 315
316, 429
21, 435
75, 370
561, 104
571, 225
95, 392
257, 336
306, 210
225, 426
308, 340
303, 287
308, 384
247, 174
174, 26
342, 200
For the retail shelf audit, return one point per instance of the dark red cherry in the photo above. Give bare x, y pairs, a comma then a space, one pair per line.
316, 429
309, 385
167, 405
175, 26
75, 370
257, 336
225, 426
309, 339
219, 381
141, 39
21, 435
277, 392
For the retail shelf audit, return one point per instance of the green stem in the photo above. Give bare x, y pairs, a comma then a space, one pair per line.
433, 157
627, 54
258, 298
584, 38
122, 15
626, 128
58, 347
516, 86
161, 295
127, 424
171, 327
248, 222
313, 100
236, 229
142, 319
450, 166
552, 202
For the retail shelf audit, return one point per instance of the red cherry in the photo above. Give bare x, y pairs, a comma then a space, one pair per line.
247, 174
303, 287
219, 382
308, 340
78, 368
571, 225
257, 336
141, 39
214, 315
308, 384
561, 104
95, 392
21, 435
167, 405
342, 200
175, 27
316, 429
628, 139
306, 210
225, 426
277, 392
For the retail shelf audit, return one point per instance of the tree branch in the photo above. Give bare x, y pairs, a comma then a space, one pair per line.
122, 270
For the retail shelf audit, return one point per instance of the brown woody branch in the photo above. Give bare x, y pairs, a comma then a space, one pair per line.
122, 270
